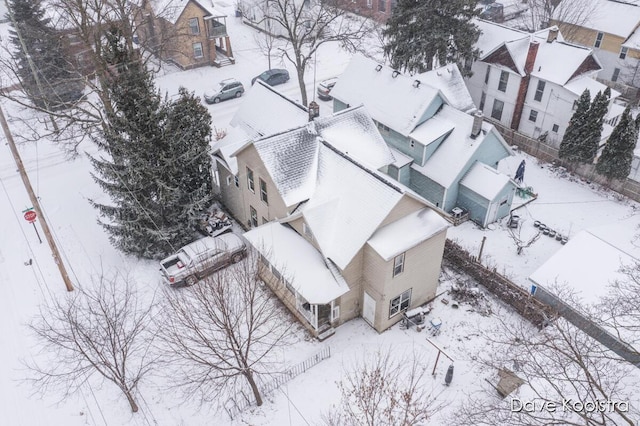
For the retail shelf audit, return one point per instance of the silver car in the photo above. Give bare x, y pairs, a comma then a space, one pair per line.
202, 258
227, 89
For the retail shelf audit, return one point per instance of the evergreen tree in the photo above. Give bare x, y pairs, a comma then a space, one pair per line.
49, 79
595, 119
420, 31
158, 173
617, 156
576, 131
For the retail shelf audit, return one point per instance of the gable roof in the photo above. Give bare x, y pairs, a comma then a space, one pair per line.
253, 121
390, 97
453, 155
556, 62
619, 17
450, 82
290, 157
348, 204
257, 120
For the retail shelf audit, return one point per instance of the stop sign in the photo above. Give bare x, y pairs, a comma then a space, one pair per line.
30, 216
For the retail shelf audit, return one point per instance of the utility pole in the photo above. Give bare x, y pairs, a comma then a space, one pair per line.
32, 196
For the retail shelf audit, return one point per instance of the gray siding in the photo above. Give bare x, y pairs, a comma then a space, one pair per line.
508, 191
427, 188
402, 144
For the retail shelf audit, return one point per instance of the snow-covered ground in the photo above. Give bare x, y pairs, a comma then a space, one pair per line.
65, 188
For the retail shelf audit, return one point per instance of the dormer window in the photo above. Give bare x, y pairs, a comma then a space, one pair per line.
599, 39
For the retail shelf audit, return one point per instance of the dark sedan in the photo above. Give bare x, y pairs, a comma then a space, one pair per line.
273, 77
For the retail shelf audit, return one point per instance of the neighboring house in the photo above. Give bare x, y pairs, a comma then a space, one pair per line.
585, 267
380, 10
188, 33
436, 146
353, 242
612, 31
530, 82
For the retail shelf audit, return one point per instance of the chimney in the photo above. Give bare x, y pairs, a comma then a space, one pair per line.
531, 57
314, 110
478, 118
553, 34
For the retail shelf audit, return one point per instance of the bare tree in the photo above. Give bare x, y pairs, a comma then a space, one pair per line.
385, 390
520, 241
266, 39
87, 26
104, 331
221, 335
569, 15
569, 379
307, 25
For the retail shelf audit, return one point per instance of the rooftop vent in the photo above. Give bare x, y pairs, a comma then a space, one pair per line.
395, 73
378, 67
416, 83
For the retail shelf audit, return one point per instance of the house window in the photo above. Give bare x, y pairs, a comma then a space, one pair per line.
228, 180
369, 4
555, 128
504, 79
412, 143
382, 5
400, 303
254, 216
539, 91
483, 99
533, 115
623, 52
250, 183
398, 264
197, 50
335, 313
194, 25
236, 181
263, 191
496, 112
486, 76
616, 74
599, 38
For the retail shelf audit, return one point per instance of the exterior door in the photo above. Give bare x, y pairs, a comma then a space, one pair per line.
492, 213
369, 309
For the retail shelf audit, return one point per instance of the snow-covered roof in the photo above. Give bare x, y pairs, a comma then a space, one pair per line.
290, 157
390, 97
578, 85
172, 9
619, 18
451, 83
485, 181
401, 159
556, 61
348, 204
253, 121
406, 233
455, 152
587, 264
281, 114
298, 262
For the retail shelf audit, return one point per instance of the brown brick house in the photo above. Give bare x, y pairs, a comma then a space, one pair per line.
188, 33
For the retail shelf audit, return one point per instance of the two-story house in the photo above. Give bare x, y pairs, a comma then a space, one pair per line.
442, 153
611, 29
190, 33
530, 82
350, 241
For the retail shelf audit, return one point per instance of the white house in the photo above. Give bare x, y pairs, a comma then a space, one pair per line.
530, 82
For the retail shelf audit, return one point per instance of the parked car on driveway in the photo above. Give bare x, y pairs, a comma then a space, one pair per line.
324, 88
202, 258
273, 77
226, 89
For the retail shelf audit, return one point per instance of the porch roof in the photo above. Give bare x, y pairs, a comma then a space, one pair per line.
313, 276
